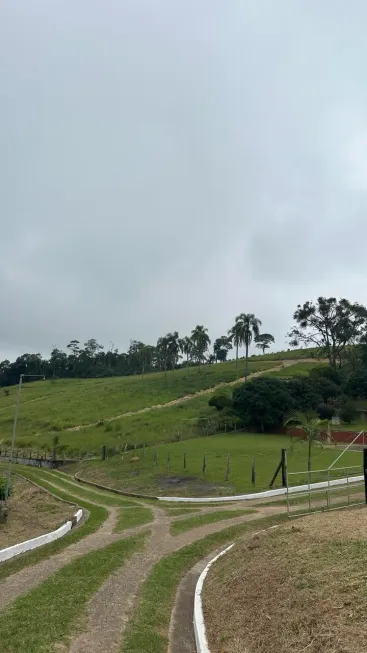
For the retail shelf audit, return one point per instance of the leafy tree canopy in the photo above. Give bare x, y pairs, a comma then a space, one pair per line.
262, 403
330, 324
263, 341
356, 385
305, 396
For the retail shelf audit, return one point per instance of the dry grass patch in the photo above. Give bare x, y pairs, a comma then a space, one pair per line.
32, 512
299, 588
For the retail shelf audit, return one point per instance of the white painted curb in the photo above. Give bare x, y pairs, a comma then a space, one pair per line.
199, 624
28, 545
268, 493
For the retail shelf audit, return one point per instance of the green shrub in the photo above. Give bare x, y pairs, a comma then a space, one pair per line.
3, 487
262, 403
348, 413
325, 411
220, 401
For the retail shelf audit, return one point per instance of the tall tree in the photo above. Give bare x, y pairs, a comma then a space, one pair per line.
173, 348
201, 342
248, 326
330, 324
263, 341
221, 348
235, 336
186, 346
162, 355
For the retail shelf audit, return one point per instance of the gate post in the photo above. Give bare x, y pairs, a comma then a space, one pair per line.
284, 468
365, 472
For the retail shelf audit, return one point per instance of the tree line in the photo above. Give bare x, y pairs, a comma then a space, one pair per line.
267, 403
337, 328
170, 352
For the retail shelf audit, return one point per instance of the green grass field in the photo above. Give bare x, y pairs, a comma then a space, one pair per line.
169, 478
149, 427
52, 406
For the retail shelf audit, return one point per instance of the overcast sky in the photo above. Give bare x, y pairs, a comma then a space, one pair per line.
167, 163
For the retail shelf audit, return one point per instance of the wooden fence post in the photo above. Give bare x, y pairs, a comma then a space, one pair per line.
227, 468
253, 472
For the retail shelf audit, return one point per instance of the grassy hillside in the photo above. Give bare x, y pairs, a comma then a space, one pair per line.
48, 406
169, 476
289, 354
151, 427
85, 406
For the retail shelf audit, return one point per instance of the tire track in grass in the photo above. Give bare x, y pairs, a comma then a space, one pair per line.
48, 614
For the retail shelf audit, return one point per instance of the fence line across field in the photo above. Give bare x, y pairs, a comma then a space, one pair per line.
351, 492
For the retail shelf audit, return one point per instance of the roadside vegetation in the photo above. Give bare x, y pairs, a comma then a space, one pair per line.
314, 567
32, 512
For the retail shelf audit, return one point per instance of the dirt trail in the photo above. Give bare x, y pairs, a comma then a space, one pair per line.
207, 391
111, 606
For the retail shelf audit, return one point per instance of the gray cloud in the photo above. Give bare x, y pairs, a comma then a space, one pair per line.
171, 163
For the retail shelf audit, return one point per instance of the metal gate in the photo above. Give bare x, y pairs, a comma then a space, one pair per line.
325, 489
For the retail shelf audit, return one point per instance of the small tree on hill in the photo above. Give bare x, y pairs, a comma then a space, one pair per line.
329, 324
313, 427
263, 341
221, 348
220, 401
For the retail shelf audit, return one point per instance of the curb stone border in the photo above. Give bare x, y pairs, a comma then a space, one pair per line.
34, 543
237, 497
199, 623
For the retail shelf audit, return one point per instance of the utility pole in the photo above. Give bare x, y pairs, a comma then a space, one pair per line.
7, 487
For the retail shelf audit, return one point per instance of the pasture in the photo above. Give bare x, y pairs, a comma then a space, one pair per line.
179, 469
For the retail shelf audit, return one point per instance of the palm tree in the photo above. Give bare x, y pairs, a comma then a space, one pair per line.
173, 348
201, 342
235, 336
186, 345
312, 427
247, 325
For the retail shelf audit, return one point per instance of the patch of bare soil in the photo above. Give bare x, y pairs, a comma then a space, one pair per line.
32, 512
195, 485
299, 588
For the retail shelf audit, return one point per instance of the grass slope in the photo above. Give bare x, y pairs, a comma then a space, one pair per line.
151, 427
64, 403
51, 612
32, 512
97, 515
314, 568
142, 476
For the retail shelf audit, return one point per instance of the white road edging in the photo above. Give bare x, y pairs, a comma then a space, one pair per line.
28, 545
199, 624
267, 493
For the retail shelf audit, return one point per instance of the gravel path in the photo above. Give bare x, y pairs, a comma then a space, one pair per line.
111, 606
